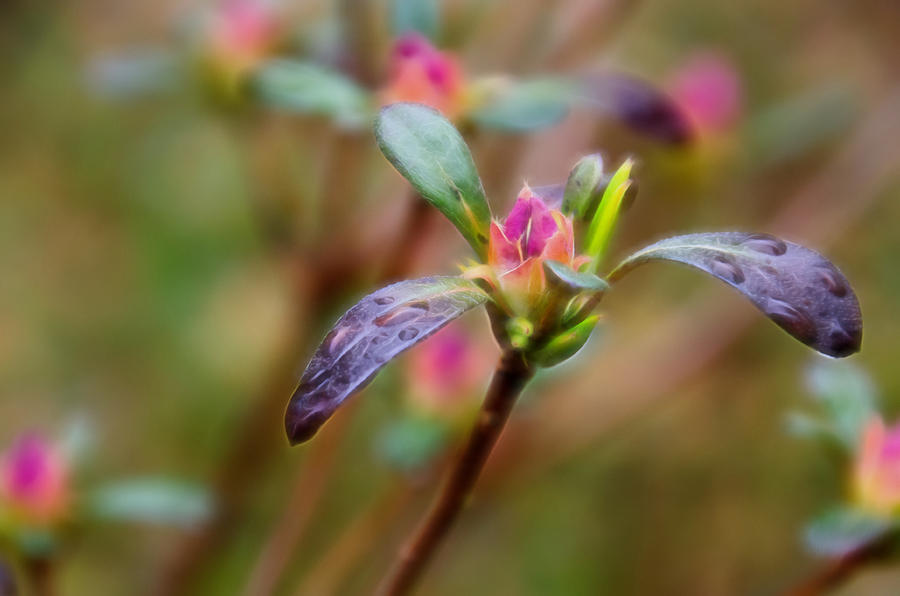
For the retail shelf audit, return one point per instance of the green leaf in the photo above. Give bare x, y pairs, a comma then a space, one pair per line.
582, 184
307, 88
523, 106
379, 328
842, 530
431, 154
412, 443
574, 280
800, 290
604, 220
566, 344
422, 16
847, 395
150, 500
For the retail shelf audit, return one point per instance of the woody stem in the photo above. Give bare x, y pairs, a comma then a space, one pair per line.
512, 374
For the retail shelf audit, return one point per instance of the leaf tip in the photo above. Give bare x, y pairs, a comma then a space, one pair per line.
300, 423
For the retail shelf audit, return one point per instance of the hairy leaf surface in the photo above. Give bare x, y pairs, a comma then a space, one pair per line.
800, 290
368, 336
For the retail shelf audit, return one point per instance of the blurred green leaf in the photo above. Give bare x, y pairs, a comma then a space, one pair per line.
842, 530
308, 88
134, 74
846, 394
432, 155
154, 501
422, 16
524, 106
799, 125
412, 443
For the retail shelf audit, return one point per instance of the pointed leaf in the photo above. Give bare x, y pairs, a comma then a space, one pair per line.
604, 220
308, 88
368, 336
843, 530
523, 106
431, 154
801, 291
575, 280
639, 105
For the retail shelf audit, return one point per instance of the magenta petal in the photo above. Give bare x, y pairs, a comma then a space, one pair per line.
27, 465
409, 45
543, 226
517, 220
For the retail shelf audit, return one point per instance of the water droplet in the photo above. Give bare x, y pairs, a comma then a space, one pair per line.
791, 319
832, 282
766, 244
727, 269
383, 300
401, 314
337, 339
408, 333
841, 342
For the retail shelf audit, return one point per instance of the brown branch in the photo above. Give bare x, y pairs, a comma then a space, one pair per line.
511, 376
837, 571
310, 483
40, 573
331, 569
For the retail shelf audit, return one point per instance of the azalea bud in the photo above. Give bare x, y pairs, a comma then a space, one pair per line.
531, 234
582, 186
708, 89
34, 480
447, 369
420, 73
877, 473
237, 36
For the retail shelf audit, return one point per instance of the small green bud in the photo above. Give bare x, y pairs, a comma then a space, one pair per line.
566, 344
519, 330
582, 185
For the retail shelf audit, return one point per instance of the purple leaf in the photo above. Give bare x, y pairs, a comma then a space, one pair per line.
368, 336
800, 290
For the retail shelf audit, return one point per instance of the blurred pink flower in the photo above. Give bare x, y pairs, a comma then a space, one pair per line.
877, 474
418, 72
34, 479
531, 234
447, 370
708, 88
242, 32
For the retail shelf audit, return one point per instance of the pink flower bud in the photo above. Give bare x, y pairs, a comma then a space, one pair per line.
447, 370
708, 88
242, 32
877, 474
34, 479
420, 73
518, 248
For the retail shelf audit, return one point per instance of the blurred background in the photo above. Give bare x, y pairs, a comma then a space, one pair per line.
172, 249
